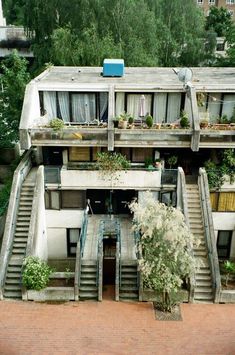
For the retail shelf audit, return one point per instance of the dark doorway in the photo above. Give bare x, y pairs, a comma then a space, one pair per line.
109, 261
111, 201
52, 156
121, 199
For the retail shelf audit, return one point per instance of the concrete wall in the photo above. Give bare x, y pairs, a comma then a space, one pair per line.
225, 221
131, 179
57, 222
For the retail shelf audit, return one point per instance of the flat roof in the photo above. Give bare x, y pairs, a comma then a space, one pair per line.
149, 78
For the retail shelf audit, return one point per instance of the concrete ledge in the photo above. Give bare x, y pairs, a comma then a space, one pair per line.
51, 294
227, 296
151, 296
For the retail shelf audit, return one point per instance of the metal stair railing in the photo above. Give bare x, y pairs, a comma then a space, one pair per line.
99, 269
209, 233
183, 206
37, 228
20, 173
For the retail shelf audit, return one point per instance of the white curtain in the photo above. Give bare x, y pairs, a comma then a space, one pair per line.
133, 104
103, 103
83, 107
173, 107
159, 107
214, 106
49, 100
228, 105
120, 103
63, 98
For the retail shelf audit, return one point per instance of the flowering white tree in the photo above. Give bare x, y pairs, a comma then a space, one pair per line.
165, 243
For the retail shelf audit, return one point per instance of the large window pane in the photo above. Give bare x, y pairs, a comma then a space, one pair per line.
79, 154
83, 107
73, 199
134, 102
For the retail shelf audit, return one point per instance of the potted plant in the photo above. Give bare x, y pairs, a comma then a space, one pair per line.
149, 121
172, 161
57, 125
123, 119
158, 164
115, 122
131, 121
184, 121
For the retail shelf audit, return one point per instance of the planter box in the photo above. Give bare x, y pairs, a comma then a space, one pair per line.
50, 294
227, 296
151, 296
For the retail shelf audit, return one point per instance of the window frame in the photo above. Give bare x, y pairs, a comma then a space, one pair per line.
227, 246
71, 244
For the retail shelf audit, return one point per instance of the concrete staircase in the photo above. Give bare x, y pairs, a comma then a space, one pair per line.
12, 287
203, 288
88, 289
128, 290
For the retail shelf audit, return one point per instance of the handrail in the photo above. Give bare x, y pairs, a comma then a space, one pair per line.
100, 261
77, 275
8, 237
118, 271
83, 232
209, 233
182, 204
38, 207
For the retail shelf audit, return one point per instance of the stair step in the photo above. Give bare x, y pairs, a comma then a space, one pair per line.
203, 283
203, 296
127, 295
12, 294
91, 282
14, 268
20, 239
202, 277
12, 287
19, 244
128, 288
88, 295
87, 288
128, 282
129, 276
10, 281
88, 276
18, 251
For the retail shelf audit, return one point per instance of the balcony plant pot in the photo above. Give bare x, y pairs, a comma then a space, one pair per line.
122, 124
115, 123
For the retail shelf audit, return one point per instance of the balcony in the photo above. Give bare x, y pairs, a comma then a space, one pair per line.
69, 136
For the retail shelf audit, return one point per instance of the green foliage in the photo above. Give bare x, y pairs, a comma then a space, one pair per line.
184, 121
57, 124
4, 196
13, 82
216, 172
111, 162
219, 20
149, 121
35, 273
229, 268
165, 243
172, 161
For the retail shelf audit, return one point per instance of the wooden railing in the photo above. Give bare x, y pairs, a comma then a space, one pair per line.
209, 233
19, 175
183, 206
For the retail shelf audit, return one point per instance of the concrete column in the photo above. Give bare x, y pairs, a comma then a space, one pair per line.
2, 19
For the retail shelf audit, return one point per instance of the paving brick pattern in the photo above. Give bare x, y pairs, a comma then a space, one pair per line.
114, 328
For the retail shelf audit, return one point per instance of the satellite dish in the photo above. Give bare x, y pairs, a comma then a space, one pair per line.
185, 75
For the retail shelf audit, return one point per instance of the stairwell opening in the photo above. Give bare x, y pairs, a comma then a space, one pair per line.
109, 267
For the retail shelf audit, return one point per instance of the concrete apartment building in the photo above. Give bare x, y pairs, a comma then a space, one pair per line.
205, 5
63, 210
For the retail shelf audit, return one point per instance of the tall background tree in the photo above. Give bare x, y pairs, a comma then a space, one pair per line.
13, 80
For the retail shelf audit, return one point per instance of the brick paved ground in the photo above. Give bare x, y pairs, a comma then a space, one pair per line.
114, 328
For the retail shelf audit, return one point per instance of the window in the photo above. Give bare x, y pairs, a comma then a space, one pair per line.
222, 201
230, 2
57, 200
73, 199
211, 2
139, 155
76, 107
52, 200
224, 244
79, 154
200, 2
72, 239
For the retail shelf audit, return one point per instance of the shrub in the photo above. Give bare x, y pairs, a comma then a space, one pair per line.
149, 121
36, 273
56, 124
184, 121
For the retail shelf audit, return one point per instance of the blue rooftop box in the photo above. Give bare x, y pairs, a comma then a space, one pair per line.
113, 67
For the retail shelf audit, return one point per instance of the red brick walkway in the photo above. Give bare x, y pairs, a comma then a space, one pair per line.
114, 328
